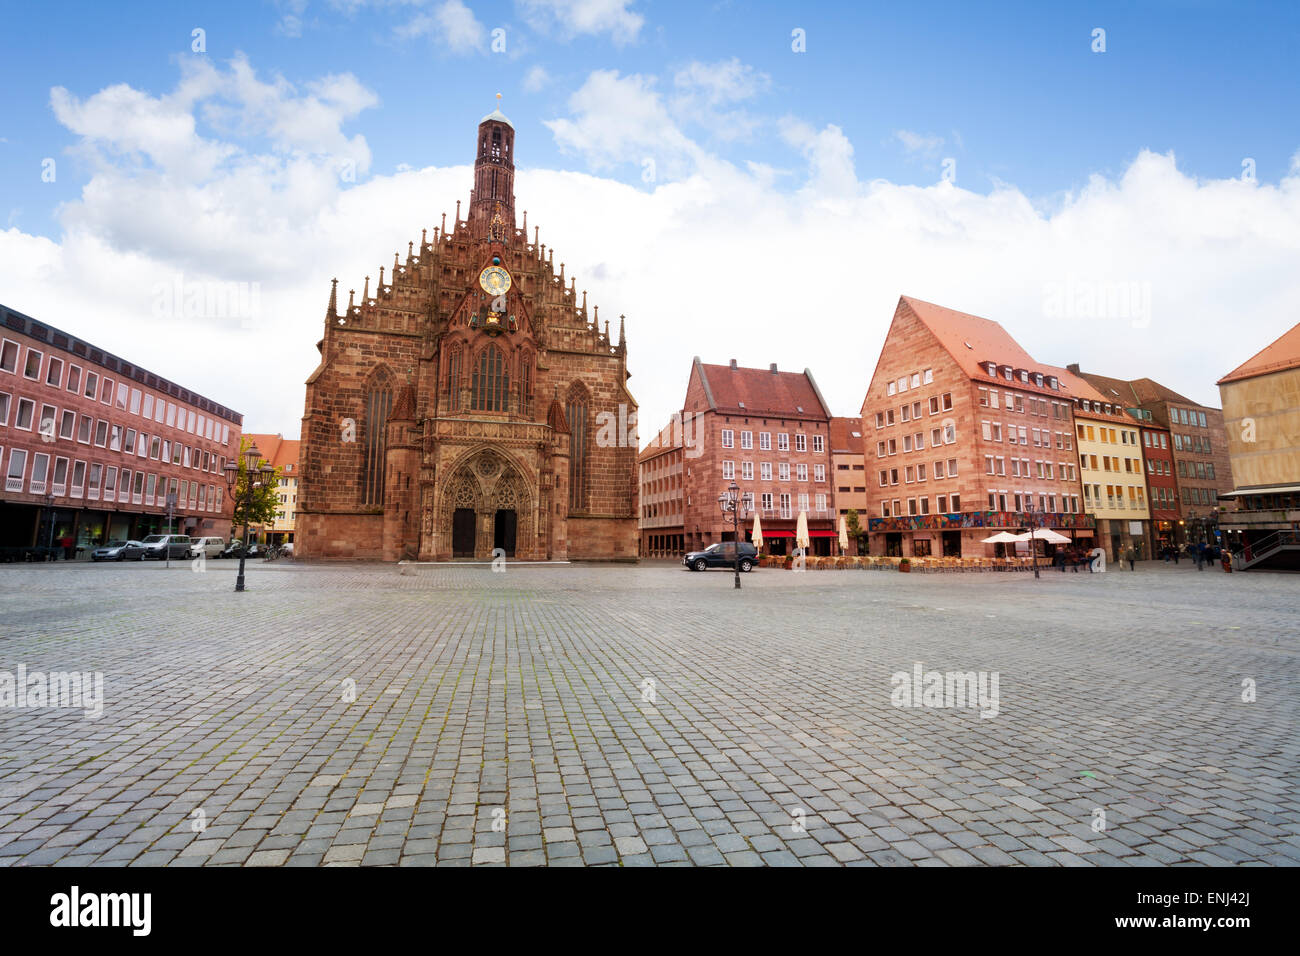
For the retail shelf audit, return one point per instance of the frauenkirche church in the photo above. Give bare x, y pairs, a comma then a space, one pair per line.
454, 412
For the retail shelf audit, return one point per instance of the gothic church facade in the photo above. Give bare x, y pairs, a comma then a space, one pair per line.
458, 411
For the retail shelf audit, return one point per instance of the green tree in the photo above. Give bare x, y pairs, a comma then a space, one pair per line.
265, 501
854, 529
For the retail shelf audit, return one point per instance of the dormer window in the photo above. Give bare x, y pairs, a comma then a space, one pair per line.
1008, 373
993, 369
1053, 383
1038, 379
1024, 376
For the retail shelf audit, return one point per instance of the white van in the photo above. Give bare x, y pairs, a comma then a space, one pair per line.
210, 547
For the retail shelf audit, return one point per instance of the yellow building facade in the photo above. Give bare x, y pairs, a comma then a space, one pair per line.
1114, 480
1261, 413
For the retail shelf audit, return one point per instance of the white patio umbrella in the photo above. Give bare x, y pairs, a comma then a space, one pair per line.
758, 533
801, 531
1004, 537
844, 535
1044, 534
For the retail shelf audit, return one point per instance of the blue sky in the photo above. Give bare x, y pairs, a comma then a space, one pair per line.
1014, 90
1124, 165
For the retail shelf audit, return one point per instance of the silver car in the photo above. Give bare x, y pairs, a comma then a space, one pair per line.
159, 546
118, 550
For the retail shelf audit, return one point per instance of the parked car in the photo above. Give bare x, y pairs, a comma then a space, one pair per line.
210, 547
236, 547
160, 546
722, 555
118, 550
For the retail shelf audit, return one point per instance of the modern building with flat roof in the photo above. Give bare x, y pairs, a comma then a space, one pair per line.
92, 446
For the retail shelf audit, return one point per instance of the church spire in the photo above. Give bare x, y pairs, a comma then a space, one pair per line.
332, 310
494, 175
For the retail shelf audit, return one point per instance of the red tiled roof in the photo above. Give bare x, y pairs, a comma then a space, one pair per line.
973, 341
1280, 355
1075, 386
1112, 389
276, 450
1149, 390
846, 435
763, 392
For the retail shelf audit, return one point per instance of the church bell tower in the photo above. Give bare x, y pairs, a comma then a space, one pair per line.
492, 200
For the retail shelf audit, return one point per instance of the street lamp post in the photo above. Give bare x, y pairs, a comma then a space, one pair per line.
251, 457
49, 512
729, 501
1033, 546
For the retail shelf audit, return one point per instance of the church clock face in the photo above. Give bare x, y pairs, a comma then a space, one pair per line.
494, 280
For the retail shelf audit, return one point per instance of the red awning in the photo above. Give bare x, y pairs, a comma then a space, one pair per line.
823, 534
777, 534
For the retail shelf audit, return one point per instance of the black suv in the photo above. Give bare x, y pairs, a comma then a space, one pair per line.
722, 555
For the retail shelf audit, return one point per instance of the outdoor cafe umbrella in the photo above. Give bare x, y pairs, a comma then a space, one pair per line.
801, 531
1044, 534
1003, 537
758, 533
844, 536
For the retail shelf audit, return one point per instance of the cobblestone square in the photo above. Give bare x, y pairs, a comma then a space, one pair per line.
620, 715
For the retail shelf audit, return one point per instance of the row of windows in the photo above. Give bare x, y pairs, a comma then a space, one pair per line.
1024, 468
77, 479
944, 504
999, 500
765, 441
946, 435
1024, 375
1114, 497
767, 502
1185, 416
1163, 498
1102, 433
1026, 435
1024, 404
918, 473
1194, 443
906, 413
765, 471
70, 426
915, 380
1196, 469
1155, 439
1158, 466
1131, 465
72, 378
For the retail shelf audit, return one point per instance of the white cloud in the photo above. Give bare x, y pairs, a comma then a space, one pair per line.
727, 261
536, 79
577, 17
917, 142
706, 93
727, 81
450, 24
830, 158
620, 119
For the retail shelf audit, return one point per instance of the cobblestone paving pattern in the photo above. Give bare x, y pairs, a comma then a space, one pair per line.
523, 699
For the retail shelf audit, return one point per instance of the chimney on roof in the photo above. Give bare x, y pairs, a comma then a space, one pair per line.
1073, 368
733, 363
772, 368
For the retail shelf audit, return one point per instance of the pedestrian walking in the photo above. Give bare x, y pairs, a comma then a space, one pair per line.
1226, 557
1200, 557
1132, 557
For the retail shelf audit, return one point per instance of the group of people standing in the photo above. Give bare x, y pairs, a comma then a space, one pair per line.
1199, 552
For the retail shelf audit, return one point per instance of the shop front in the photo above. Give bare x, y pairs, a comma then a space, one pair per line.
962, 535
